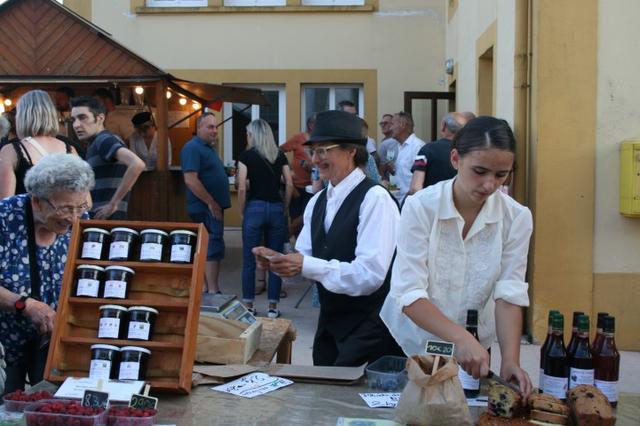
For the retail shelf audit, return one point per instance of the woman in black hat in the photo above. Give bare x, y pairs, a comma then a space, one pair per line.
346, 245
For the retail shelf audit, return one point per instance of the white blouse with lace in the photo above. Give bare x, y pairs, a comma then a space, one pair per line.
434, 262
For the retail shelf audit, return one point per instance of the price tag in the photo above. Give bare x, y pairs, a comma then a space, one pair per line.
433, 347
143, 402
95, 399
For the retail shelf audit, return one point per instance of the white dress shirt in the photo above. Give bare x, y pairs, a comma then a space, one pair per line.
147, 154
376, 240
407, 152
433, 262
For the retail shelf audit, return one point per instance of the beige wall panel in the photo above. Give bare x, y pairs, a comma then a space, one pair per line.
403, 41
618, 294
617, 238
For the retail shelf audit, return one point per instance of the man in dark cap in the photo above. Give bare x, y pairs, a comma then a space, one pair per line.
144, 140
346, 245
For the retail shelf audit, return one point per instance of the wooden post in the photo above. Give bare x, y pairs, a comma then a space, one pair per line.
435, 365
162, 120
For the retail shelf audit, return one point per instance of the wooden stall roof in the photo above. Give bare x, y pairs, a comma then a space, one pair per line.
42, 41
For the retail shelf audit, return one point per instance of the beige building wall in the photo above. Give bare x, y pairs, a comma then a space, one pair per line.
400, 43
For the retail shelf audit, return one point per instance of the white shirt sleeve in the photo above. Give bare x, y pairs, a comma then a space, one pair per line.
374, 248
410, 277
511, 286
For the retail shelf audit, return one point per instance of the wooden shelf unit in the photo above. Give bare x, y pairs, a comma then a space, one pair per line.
173, 289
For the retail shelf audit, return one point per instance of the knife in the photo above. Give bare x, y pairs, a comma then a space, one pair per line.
497, 378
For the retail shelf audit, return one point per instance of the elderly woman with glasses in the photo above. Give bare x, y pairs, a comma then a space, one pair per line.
34, 238
346, 246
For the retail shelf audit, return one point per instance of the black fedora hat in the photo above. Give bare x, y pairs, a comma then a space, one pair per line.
337, 126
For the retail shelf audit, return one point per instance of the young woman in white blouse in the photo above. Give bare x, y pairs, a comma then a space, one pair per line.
464, 246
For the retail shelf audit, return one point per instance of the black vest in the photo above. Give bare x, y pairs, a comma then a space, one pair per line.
340, 312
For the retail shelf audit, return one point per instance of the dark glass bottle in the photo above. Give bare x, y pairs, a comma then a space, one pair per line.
543, 349
574, 331
581, 363
597, 340
470, 385
556, 369
607, 362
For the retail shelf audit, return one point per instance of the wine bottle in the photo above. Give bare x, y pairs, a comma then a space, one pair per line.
470, 385
581, 370
556, 370
597, 340
607, 362
574, 331
543, 349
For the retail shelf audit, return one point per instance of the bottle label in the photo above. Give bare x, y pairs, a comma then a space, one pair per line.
100, 369
556, 386
115, 289
180, 253
541, 380
578, 376
129, 371
139, 330
109, 328
88, 287
609, 389
91, 250
151, 251
119, 250
467, 381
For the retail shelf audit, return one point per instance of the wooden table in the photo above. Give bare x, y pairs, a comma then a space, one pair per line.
277, 339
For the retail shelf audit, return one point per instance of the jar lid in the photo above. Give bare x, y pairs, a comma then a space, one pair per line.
94, 267
184, 232
143, 308
153, 231
119, 268
131, 231
135, 349
99, 230
116, 307
107, 347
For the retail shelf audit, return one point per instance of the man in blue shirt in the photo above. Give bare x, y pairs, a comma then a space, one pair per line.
207, 191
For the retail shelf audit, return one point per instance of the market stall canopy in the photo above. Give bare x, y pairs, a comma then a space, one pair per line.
43, 42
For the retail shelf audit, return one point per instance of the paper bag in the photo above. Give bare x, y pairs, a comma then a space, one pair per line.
432, 400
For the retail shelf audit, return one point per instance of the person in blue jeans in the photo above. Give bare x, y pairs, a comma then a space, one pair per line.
261, 169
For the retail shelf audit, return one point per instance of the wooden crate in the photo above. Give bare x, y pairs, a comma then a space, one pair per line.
224, 341
173, 289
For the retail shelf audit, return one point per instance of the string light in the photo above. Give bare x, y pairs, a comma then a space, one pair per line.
7, 102
196, 106
168, 94
139, 90
183, 101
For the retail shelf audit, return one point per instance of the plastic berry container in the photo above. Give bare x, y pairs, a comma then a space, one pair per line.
18, 405
35, 417
388, 373
133, 416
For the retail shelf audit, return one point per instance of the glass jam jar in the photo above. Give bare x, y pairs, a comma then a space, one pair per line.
153, 245
89, 279
113, 322
123, 244
142, 320
183, 244
94, 243
117, 282
104, 362
134, 361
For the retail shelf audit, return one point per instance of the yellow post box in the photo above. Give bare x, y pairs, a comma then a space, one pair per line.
630, 178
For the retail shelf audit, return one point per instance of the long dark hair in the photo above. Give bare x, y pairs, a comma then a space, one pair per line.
483, 133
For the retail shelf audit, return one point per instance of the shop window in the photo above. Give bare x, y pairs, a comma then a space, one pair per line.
333, 2
239, 115
316, 98
255, 2
177, 3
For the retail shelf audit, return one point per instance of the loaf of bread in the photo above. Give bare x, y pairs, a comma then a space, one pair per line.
504, 401
488, 419
548, 418
548, 403
590, 407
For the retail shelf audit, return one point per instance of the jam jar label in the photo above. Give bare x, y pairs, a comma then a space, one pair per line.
88, 287
91, 250
151, 251
109, 328
119, 250
180, 253
139, 330
100, 369
113, 288
129, 371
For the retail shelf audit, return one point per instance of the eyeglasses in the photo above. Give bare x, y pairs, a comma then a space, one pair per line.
321, 151
69, 210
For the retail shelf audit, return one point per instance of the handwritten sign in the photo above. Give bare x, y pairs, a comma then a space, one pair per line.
143, 402
381, 400
433, 347
253, 384
95, 399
